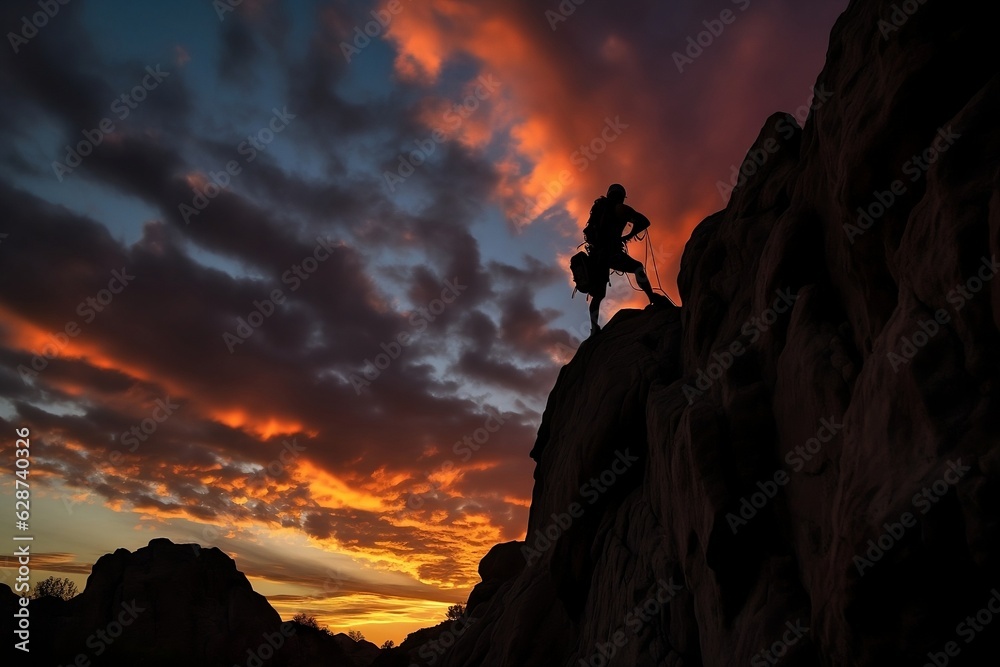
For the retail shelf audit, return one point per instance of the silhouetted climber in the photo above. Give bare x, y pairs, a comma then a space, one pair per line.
606, 247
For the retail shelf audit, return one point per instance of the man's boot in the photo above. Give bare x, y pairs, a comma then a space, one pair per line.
654, 298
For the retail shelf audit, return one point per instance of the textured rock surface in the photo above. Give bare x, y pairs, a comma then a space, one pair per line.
848, 411
176, 604
363, 652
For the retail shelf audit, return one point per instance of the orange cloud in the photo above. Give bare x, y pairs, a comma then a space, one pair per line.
328, 490
264, 428
72, 342
569, 144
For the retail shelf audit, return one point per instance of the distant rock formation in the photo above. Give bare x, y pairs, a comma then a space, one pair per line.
166, 605
802, 465
362, 653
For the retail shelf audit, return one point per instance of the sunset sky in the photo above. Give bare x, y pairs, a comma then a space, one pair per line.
414, 193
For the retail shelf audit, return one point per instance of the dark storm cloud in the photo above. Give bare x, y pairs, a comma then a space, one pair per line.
240, 53
59, 74
168, 323
55, 71
514, 377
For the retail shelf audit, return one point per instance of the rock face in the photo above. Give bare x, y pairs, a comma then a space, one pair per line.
362, 652
802, 465
427, 645
169, 604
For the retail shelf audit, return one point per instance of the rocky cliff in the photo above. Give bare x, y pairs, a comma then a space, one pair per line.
802, 465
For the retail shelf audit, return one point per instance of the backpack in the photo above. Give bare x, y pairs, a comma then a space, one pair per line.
597, 231
596, 234
579, 265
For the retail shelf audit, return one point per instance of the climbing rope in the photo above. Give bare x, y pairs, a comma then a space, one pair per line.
644, 236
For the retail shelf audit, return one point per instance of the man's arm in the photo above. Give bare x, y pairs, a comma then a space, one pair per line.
640, 223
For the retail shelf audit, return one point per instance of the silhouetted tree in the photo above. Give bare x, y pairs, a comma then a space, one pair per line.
456, 611
356, 635
305, 619
64, 589
309, 621
388, 643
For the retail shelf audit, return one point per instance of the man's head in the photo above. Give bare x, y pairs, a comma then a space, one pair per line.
616, 193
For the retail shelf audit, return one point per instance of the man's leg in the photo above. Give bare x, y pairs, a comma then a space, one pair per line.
628, 264
643, 280
595, 313
598, 268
